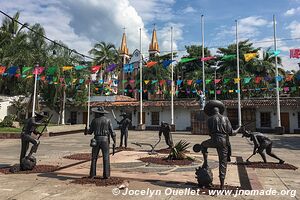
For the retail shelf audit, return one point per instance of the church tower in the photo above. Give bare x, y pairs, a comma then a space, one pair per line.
123, 51
153, 47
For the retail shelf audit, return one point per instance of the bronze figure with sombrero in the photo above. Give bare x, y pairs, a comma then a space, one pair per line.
102, 128
220, 129
124, 125
30, 127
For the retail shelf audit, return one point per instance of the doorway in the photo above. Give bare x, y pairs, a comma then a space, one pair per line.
285, 121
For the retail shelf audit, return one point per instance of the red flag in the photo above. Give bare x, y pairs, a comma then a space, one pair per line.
294, 53
2, 69
208, 58
151, 64
95, 68
161, 82
38, 70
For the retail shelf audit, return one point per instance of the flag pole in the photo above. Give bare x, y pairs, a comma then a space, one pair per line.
276, 68
172, 78
141, 78
203, 67
34, 90
238, 77
89, 103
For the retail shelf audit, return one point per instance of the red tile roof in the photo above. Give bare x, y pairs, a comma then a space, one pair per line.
121, 102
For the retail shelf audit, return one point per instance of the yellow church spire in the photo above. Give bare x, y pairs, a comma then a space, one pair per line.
123, 49
153, 47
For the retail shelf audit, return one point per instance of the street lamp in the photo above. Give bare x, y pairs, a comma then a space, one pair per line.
215, 67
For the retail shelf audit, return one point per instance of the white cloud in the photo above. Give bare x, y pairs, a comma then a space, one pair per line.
247, 28
154, 10
294, 27
292, 11
164, 35
55, 21
189, 9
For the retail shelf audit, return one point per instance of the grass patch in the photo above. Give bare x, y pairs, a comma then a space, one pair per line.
10, 130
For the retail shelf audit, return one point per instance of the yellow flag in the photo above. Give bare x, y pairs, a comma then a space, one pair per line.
249, 56
146, 81
231, 91
237, 80
65, 68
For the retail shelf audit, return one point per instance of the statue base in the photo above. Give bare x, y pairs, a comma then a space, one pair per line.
204, 177
279, 130
28, 163
141, 127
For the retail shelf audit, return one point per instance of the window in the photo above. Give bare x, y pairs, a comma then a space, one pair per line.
155, 118
265, 119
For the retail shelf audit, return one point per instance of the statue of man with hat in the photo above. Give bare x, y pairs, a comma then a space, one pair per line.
165, 129
124, 124
102, 128
26, 138
220, 129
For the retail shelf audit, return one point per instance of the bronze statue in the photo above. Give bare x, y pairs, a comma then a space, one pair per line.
220, 129
165, 129
261, 143
102, 128
28, 162
124, 124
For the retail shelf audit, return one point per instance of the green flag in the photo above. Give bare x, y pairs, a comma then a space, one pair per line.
51, 70
26, 69
185, 60
229, 57
80, 67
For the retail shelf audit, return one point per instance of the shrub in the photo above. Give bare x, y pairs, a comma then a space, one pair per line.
8, 120
178, 151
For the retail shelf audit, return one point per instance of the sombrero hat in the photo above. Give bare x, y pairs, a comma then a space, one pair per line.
99, 110
209, 107
40, 114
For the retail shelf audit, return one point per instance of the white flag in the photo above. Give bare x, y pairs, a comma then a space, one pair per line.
260, 54
136, 56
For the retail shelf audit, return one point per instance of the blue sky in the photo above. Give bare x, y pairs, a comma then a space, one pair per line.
81, 23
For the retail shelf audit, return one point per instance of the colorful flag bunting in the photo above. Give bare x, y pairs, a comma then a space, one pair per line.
236, 80
178, 82
151, 64
166, 63
66, 68
229, 57
38, 70
80, 67
217, 81
161, 82
95, 68
294, 53
136, 57
189, 82
247, 80
208, 58
185, 60
26, 69
51, 70
154, 81
258, 79
146, 81
128, 68
12, 70
111, 68
2, 69
249, 56
207, 81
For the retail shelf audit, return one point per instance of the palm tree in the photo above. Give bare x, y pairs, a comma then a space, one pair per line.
105, 54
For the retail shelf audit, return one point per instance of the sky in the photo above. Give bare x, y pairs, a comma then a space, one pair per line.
82, 23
